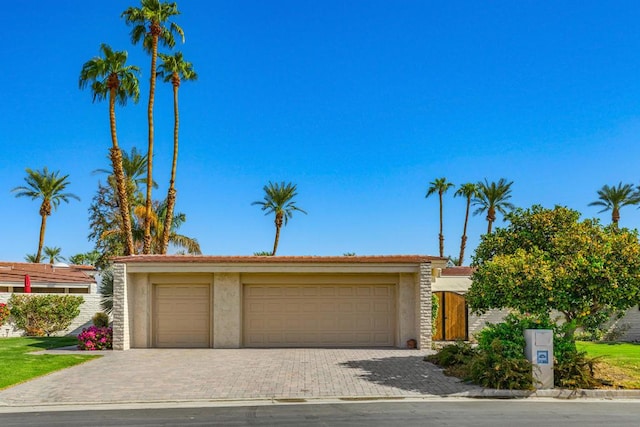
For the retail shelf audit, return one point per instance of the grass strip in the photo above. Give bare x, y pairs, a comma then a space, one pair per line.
18, 365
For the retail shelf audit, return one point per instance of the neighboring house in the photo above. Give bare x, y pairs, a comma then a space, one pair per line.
51, 279
280, 301
454, 322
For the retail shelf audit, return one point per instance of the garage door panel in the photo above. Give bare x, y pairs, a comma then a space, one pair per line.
319, 315
182, 315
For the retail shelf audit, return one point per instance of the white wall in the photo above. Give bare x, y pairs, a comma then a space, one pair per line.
89, 307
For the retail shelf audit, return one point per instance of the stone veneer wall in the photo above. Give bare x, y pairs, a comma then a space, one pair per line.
423, 301
88, 308
121, 339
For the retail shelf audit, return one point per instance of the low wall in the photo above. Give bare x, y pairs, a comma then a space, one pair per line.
88, 308
628, 326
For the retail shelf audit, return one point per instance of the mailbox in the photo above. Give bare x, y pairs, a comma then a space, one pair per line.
539, 351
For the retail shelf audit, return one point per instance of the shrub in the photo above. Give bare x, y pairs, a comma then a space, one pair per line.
95, 338
4, 313
456, 354
575, 370
494, 369
572, 369
40, 315
106, 290
100, 319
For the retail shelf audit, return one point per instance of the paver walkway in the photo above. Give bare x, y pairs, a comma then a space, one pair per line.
155, 375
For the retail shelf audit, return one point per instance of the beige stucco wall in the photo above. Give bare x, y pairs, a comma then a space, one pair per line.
227, 310
133, 312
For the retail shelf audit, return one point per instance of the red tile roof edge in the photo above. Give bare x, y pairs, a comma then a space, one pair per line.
14, 272
276, 259
457, 271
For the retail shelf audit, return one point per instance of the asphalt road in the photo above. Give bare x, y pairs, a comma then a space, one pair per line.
370, 414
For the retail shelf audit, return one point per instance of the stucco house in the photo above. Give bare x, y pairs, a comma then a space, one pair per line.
282, 301
455, 322
51, 279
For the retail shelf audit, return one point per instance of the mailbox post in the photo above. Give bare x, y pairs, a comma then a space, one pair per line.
539, 351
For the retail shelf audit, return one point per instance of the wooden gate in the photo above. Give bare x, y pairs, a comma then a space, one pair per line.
452, 317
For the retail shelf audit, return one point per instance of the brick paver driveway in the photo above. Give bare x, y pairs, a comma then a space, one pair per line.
155, 375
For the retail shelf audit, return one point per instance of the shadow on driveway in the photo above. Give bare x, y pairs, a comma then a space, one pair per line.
410, 373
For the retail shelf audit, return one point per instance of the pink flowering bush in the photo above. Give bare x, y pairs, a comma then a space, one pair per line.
95, 338
4, 313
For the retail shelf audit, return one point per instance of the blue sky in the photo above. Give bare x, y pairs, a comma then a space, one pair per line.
359, 103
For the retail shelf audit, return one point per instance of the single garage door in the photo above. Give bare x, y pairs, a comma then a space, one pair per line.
182, 316
319, 315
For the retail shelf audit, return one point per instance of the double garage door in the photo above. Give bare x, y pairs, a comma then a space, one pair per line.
319, 315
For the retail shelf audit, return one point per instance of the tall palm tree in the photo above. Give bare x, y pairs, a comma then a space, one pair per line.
151, 25
440, 186
174, 69
492, 198
111, 79
468, 191
614, 198
278, 199
50, 188
53, 253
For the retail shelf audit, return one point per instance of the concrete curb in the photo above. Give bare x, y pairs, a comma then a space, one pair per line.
484, 394
553, 394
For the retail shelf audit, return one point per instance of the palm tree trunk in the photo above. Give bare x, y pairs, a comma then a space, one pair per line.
441, 236
463, 242
116, 162
278, 222
491, 216
43, 227
171, 193
615, 217
152, 89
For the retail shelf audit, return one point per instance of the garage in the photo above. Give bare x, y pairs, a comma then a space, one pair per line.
320, 315
182, 315
220, 302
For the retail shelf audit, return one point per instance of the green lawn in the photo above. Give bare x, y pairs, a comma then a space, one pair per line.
623, 358
17, 365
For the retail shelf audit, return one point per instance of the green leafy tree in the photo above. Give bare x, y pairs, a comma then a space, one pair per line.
491, 198
547, 259
53, 254
440, 186
616, 197
279, 200
151, 25
174, 69
50, 188
111, 79
468, 191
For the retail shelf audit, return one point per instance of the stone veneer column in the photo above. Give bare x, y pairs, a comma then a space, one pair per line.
424, 306
120, 308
